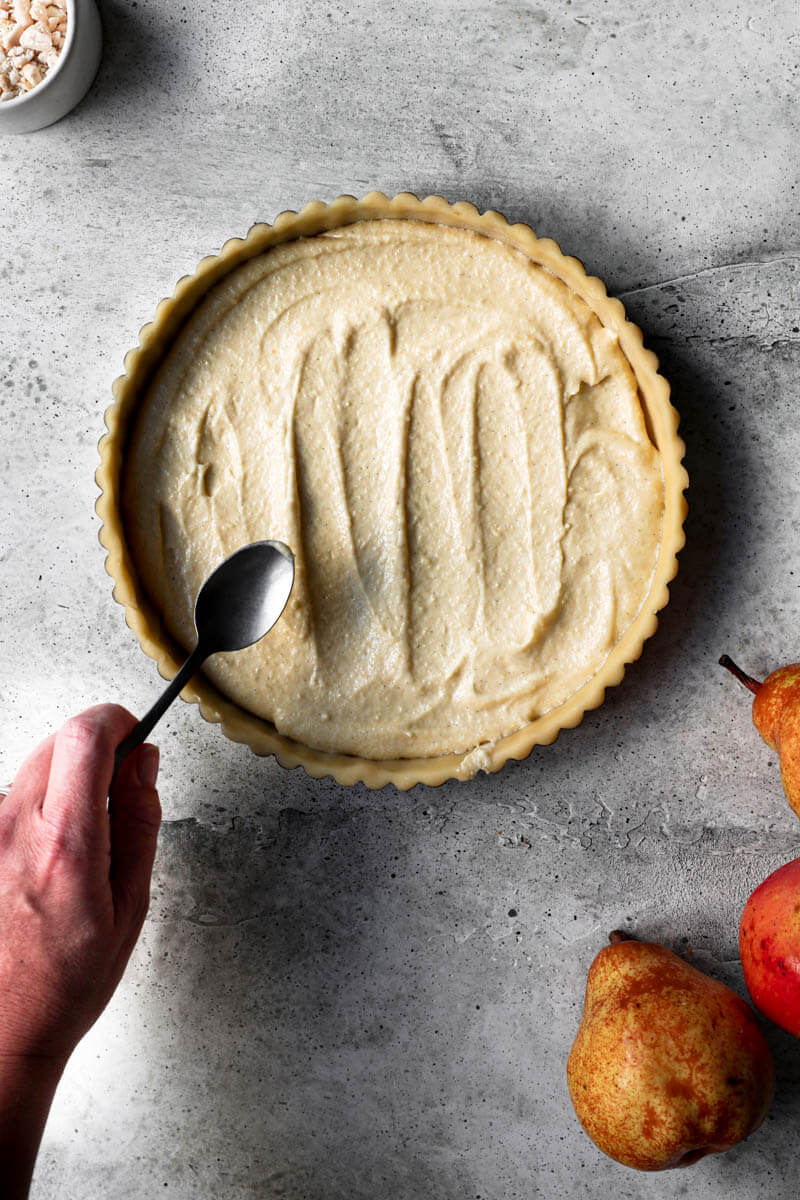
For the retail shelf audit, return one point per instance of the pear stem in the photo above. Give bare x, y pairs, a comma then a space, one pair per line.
751, 684
619, 935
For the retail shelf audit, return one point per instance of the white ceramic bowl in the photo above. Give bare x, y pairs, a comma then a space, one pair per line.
67, 82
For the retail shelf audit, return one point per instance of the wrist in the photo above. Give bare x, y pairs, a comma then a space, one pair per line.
37, 1070
28, 1044
27, 1085
34, 1030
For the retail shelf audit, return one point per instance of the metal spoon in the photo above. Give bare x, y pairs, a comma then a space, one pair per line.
239, 602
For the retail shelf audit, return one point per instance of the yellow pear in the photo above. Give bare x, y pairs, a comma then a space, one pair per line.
776, 716
668, 1064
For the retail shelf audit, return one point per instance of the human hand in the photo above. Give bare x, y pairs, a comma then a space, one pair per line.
74, 883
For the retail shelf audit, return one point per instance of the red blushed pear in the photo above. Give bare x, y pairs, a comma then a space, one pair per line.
668, 1065
769, 947
776, 716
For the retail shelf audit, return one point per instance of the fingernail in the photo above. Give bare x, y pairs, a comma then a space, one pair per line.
147, 765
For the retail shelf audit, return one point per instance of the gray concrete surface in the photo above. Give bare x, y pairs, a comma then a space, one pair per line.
350, 995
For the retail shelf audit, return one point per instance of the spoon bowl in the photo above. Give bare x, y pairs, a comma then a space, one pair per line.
244, 596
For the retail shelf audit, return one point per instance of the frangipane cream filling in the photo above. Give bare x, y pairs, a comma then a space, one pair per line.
455, 449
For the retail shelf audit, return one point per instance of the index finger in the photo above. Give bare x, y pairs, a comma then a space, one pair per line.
30, 782
82, 763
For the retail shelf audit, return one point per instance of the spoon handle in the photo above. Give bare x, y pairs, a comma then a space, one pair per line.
141, 730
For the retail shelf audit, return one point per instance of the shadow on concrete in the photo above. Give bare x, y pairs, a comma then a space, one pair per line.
140, 51
298, 995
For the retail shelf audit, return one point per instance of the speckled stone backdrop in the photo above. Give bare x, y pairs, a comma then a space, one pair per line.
350, 995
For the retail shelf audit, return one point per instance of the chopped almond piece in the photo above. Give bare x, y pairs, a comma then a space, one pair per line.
34, 39
32, 73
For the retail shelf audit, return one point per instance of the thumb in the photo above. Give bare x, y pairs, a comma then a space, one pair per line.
135, 820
